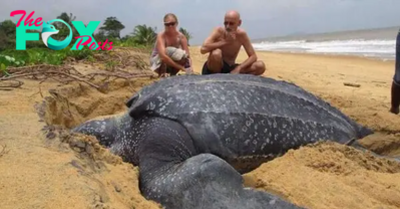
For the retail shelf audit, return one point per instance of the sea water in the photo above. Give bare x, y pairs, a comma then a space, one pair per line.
375, 43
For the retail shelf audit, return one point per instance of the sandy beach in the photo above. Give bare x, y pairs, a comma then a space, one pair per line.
42, 168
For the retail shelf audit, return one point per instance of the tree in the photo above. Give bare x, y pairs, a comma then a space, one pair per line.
112, 27
8, 27
64, 31
4, 40
7, 34
145, 35
186, 33
100, 36
67, 18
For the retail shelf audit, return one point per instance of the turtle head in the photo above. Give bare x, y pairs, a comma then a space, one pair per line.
105, 128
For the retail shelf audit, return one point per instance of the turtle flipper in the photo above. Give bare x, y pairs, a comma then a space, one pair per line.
207, 181
175, 175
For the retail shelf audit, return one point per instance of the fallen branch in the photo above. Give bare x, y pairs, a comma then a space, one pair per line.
3, 150
46, 73
352, 85
13, 84
41, 68
123, 75
65, 75
126, 64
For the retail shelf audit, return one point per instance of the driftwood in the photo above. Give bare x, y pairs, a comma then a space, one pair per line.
10, 85
352, 85
119, 63
64, 75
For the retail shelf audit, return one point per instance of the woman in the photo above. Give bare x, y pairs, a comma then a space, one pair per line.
171, 53
395, 91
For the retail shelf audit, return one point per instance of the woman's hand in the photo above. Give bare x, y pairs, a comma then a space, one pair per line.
189, 70
164, 75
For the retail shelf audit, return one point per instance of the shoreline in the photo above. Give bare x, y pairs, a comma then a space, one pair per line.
334, 54
343, 55
338, 55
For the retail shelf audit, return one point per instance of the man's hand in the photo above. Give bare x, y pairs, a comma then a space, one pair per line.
230, 37
214, 41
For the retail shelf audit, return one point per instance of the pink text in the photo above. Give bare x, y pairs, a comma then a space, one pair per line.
93, 44
38, 22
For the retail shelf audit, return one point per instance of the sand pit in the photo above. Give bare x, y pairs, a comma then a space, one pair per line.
45, 167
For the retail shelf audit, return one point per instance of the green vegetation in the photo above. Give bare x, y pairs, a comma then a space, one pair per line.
36, 52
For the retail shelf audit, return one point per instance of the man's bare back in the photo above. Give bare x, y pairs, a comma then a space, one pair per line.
223, 46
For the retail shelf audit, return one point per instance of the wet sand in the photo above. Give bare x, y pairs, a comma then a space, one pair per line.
47, 169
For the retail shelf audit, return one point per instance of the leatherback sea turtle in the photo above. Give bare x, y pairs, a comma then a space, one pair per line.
190, 136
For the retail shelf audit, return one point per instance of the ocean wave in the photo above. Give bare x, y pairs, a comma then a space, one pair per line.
370, 48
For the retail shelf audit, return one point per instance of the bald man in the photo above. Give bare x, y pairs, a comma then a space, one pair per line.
223, 46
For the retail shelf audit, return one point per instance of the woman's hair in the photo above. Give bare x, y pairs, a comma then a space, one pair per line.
171, 15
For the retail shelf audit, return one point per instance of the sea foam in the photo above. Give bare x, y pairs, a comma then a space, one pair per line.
382, 49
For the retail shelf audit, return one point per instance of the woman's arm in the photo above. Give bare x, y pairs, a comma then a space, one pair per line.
186, 48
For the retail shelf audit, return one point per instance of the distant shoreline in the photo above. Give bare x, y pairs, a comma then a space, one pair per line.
333, 56
326, 55
367, 34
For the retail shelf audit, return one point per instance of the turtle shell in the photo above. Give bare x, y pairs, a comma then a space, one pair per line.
235, 115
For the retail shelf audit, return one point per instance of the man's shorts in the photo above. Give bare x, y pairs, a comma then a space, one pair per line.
226, 68
396, 77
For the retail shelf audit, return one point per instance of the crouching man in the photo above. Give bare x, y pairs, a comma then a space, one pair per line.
223, 46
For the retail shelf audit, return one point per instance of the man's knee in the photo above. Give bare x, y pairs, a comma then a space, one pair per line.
259, 67
214, 62
216, 55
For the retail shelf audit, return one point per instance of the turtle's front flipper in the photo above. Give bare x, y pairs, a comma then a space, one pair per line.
175, 175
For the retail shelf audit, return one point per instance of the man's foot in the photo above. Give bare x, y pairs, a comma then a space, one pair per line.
394, 110
235, 72
257, 68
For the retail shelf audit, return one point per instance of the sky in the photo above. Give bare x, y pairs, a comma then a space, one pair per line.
260, 18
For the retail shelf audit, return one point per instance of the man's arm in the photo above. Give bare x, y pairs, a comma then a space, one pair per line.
163, 56
210, 44
252, 57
